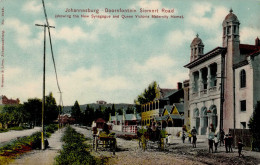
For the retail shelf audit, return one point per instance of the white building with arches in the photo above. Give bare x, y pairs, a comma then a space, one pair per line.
230, 72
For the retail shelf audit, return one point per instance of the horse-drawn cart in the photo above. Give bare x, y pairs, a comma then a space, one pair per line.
149, 137
105, 140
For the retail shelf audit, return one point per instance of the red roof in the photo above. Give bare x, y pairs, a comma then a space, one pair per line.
248, 49
100, 120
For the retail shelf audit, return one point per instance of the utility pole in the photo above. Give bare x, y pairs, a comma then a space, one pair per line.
43, 93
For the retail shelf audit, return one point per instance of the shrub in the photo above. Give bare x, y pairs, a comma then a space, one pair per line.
74, 150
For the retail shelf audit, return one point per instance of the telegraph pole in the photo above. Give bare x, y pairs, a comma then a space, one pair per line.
43, 93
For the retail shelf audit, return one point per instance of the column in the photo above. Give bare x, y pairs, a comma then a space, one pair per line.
209, 78
200, 81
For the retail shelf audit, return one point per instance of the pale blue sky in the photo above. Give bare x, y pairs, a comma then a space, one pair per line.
112, 59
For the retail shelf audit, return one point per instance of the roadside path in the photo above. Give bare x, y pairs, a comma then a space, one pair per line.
42, 157
5, 137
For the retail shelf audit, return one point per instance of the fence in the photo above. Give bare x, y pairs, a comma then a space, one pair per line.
243, 134
130, 128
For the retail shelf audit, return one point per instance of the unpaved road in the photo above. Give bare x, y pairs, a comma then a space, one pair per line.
176, 153
42, 157
5, 137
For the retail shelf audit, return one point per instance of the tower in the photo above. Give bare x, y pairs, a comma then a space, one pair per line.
231, 43
197, 47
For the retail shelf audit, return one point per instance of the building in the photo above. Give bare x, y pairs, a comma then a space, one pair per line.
125, 122
5, 101
223, 85
153, 111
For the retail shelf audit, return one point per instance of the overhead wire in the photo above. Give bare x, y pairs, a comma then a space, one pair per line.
57, 81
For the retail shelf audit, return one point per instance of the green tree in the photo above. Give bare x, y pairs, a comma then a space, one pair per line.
113, 110
107, 111
88, 115
76, 112
129, 110
51, 109
149, 94
254, 126
119, 111
99, 113
33, 108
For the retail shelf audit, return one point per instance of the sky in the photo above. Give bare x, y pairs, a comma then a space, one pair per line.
110, 59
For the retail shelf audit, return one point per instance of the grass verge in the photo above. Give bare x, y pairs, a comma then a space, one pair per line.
75, 151
19, 146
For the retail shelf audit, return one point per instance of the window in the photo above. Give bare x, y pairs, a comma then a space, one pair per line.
243, 105
228, 29
243, 125
188, 113
242, 78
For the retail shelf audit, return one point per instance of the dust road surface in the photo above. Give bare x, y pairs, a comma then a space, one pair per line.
42, 157
130, 153
12, 135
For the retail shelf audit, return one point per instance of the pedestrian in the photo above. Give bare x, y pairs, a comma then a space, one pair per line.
222, 136
240, 145
216, 142
211, 141
230, 142
190, 135
183, 136
226, 140
194, 137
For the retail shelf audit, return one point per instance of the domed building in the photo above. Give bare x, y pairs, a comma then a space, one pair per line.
223, 83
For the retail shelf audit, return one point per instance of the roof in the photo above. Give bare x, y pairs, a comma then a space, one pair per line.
196, 41
180, 107
177, 116
248, 49
231, 17
100, 120
166, 91
130, 117
207, 56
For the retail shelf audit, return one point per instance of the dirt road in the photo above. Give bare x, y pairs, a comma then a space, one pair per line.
5, 137
176, 153
42, 157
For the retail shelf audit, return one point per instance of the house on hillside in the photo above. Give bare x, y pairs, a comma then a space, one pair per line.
5, 101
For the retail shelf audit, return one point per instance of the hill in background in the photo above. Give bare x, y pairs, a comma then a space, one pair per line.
67, 109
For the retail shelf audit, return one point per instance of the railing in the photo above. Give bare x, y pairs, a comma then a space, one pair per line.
213, 89
203, 92
130, 128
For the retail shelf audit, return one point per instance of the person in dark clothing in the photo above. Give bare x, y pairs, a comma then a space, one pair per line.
194, 137
230, 142
183, 136
222, 136
226, 140
240, 145
211, 145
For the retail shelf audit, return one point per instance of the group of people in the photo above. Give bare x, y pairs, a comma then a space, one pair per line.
226, 140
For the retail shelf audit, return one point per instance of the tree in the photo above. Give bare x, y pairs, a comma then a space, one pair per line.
33, 107
107, 111
129, 110
51, 109
88, 115
76, 112
99, 113
254, 126
113, 110
149, 94
119, 111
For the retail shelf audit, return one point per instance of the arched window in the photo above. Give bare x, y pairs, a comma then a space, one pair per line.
242, 78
